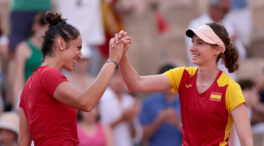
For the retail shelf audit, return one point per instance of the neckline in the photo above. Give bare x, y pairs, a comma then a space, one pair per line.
195, 84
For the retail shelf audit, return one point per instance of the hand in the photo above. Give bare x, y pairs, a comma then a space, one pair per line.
170, 115
129, 114
116, 48
120, 38
174, 118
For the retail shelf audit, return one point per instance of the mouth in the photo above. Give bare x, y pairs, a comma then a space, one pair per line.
193, 55
75, 61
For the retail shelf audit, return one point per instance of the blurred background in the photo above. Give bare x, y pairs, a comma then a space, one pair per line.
157, 29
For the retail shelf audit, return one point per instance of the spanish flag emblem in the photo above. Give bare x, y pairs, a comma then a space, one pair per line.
216, 96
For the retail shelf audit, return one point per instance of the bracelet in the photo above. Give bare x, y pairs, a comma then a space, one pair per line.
112, 61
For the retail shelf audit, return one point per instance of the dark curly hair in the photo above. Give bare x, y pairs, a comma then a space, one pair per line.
57, 27
230, 56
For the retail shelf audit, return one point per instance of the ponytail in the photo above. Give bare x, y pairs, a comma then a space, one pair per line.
230, 56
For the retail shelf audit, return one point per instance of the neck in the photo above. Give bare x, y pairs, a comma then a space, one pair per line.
53, 62
206, 73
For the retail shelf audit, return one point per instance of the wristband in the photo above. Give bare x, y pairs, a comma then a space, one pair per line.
112, 61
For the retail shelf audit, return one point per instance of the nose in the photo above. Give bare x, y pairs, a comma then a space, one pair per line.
79, 56
192, 48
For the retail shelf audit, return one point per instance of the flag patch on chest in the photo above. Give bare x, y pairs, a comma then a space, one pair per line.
216, 96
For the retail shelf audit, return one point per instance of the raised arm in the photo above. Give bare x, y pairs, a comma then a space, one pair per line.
137, 83
241, 121
86, 100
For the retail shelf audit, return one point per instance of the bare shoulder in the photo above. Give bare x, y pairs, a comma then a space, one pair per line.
22, 49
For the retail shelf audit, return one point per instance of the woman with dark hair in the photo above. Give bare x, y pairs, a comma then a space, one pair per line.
210, 100
48, 101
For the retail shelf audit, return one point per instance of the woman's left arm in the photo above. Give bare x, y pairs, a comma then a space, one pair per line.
241, 121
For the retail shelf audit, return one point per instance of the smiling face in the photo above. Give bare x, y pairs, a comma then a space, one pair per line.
202, 53
72, 54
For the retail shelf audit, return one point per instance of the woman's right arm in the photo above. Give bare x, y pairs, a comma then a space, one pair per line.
89, 98
137, 83
24, 137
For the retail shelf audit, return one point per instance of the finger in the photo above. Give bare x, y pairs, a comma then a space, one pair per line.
123, 33
116, 38
111, 43
127, 38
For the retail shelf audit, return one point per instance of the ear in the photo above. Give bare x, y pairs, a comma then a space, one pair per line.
61, 44
218, 50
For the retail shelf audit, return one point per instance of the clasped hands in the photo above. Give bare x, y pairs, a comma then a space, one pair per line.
118, 46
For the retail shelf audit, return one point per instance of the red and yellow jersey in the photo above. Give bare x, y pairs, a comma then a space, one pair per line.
206, 116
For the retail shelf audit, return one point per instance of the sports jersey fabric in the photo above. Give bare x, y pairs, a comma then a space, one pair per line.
50, 121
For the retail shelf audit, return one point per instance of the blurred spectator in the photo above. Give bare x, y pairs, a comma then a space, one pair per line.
79, 76
250, 93
258, 109
217, 11
160, 117
112, 22
119, 110
162, 25
91, 132
28, 55
259, 79
240, 17
86, 16
21, 18
9, 123
4, 43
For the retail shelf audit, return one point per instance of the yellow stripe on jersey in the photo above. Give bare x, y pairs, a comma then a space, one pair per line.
234, 95
175, 75
227, 131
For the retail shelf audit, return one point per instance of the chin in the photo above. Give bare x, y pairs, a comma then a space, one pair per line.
195, 62
69, 68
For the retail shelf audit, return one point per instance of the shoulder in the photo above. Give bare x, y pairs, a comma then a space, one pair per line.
51, 74
225, 80
22, 49
190, 70
51, 70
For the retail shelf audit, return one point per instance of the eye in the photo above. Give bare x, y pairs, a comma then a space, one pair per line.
79, 47
200, 43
